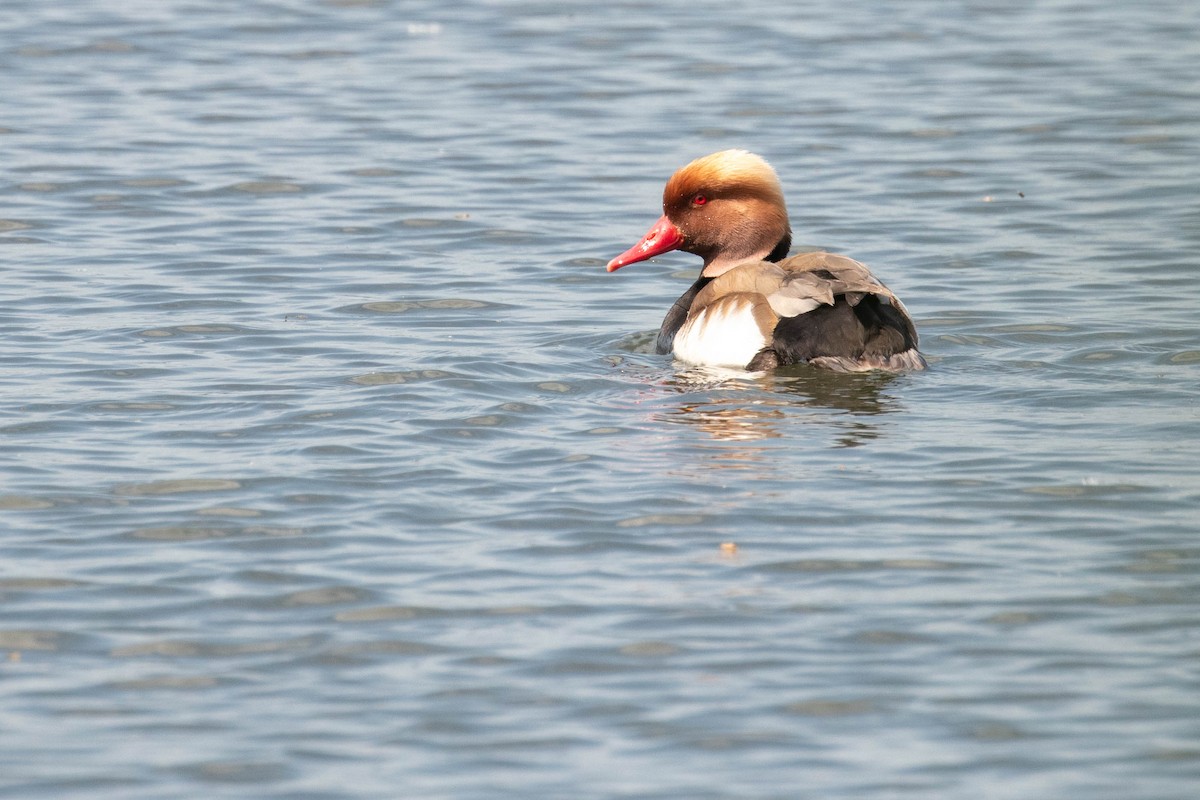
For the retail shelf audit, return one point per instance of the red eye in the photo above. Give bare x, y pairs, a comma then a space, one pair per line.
699, 200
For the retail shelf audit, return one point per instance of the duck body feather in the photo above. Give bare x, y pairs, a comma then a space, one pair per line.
819, 308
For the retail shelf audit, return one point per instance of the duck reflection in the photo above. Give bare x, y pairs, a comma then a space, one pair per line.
731, 423
749, 407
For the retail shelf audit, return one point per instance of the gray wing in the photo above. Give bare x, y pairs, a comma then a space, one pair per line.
813, 279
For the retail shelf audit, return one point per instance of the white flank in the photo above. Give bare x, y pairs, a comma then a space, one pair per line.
721, 335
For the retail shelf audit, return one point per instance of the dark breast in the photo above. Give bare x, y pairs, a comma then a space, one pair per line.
676, 317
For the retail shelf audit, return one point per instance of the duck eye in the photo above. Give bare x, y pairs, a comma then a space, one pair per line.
699, 200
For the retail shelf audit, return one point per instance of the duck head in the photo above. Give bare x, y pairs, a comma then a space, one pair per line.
727, 208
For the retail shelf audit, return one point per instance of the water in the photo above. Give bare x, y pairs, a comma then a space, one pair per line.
335, 466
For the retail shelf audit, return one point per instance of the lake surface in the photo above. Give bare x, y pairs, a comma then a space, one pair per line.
335, 466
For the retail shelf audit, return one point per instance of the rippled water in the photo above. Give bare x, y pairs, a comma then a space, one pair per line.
335, 466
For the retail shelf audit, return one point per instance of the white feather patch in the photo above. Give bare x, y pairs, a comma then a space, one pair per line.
722, 335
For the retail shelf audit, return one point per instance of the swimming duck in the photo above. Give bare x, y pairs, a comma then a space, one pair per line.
752, 306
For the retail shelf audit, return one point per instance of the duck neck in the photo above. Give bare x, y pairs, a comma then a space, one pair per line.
722, 264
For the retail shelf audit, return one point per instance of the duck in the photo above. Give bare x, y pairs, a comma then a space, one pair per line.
753, 307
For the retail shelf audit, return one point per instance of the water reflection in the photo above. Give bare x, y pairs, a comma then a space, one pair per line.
858, 393
731, 422
732, 405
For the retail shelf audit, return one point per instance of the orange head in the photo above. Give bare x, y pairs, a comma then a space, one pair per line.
726, 207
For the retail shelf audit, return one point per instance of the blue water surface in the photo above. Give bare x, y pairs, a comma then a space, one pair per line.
334, 465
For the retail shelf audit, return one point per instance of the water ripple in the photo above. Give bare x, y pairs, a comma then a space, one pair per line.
334, 461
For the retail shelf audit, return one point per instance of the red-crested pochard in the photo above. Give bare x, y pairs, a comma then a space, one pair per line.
753, 307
